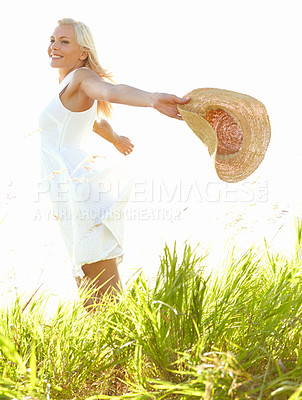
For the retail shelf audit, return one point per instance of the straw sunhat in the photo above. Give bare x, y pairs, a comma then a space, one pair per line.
233, 126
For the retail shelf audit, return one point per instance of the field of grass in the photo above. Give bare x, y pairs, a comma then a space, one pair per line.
232, 334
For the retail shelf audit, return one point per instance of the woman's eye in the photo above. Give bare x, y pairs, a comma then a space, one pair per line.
63, 41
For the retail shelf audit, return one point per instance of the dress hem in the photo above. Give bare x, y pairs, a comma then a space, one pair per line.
78, 272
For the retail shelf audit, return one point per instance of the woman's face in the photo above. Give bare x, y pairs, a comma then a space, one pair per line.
64, 51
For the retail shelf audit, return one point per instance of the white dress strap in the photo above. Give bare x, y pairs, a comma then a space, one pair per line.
66, 80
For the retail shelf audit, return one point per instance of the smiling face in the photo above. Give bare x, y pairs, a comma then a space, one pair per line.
64, 51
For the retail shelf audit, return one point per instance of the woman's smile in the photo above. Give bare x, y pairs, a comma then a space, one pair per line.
63, 50
56, 56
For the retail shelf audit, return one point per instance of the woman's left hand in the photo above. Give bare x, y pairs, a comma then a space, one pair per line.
123, 145
167, 104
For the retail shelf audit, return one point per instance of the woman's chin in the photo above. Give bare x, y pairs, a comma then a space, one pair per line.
56, 63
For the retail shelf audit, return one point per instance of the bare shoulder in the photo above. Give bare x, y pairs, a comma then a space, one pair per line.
80, 79
83, 74
87, 83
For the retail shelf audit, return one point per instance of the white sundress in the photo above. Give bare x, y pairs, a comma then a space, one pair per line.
88, 197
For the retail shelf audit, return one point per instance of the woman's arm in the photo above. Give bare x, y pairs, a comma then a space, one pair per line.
96, 89
121, 143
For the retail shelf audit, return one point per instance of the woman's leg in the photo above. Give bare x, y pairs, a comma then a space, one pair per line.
106, 279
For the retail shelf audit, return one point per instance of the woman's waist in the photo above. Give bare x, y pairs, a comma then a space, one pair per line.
61, 156
57, 144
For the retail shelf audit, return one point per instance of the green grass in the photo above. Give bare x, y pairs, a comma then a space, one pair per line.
234, 334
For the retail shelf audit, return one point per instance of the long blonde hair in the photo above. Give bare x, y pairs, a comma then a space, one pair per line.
85, 40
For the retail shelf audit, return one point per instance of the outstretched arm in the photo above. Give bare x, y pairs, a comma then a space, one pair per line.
93, 87
121, 143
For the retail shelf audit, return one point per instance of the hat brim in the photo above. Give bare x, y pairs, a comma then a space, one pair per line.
250, 116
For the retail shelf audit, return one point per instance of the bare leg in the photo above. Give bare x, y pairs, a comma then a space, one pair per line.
105, 277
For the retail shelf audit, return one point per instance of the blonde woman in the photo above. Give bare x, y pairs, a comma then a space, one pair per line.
90, 217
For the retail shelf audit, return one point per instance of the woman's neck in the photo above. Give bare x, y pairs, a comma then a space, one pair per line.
63, 72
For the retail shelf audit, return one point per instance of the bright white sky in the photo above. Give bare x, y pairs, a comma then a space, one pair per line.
252, 47
174, 46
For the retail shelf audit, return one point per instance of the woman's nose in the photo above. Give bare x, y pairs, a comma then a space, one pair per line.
54, 45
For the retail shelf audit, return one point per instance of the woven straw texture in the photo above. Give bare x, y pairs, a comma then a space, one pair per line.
234, 127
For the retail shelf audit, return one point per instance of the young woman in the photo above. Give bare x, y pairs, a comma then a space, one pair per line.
93, 240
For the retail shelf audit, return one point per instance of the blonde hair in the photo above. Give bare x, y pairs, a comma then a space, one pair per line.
85, 40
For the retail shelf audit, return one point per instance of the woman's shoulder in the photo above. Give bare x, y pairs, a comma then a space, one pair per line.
81, 76
83, 73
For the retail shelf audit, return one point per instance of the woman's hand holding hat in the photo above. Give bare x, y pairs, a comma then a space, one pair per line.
167, 104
